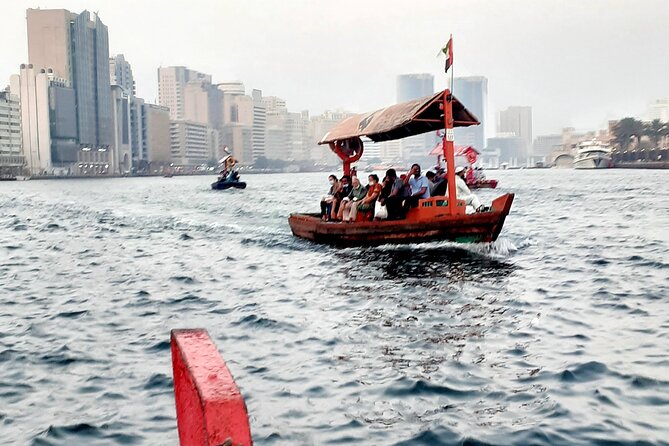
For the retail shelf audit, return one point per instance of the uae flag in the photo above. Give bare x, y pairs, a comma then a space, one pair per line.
448, 52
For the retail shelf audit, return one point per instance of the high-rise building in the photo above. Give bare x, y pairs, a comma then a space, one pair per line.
259, 124
120, 73
121, 156
190, 142
472, 92
319, 126
73, 50
12, 160
138, 133
544, 145
172, 82
413, 86
156, 134
48, 120
517, 120
508, 148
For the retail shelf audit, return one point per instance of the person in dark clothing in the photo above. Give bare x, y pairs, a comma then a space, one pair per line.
393, 195
440, 182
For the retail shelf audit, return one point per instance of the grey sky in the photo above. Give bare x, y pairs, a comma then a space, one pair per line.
576, 62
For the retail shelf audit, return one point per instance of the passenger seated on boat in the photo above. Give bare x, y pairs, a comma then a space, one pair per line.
420, 188
393, 195
326, 201
431, 178
462, 192
367, 203
440, 182
342, 192
357, 194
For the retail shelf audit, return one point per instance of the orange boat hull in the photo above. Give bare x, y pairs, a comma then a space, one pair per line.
468, 228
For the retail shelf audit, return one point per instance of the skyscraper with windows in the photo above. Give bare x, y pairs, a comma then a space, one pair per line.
120, 73
172, 82
517, 120
413, 86
472, 92
74, 49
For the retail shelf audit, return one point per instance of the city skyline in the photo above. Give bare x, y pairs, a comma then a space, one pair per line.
520, 69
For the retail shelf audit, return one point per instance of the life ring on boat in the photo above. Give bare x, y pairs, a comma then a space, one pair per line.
349, 150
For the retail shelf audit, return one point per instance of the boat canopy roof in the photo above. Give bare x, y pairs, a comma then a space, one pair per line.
400, 120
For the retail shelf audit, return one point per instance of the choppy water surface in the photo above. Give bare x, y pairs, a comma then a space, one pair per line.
557, 334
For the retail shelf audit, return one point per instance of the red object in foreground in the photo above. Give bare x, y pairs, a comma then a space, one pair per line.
210, 407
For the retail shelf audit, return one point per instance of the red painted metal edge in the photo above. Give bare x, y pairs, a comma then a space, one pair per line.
210, 407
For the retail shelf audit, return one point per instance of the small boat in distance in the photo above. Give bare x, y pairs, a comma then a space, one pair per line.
434, 218
229, 177
466, 156
592, 155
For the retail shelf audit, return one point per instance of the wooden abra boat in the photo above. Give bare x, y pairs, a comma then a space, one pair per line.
431, 221
435, 218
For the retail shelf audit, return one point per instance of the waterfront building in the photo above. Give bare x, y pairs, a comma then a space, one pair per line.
544, 145
121, 156
120, 73
172, 83
48, 120
156, 148
259, 124
12, 160
472, 92
391, 152
319, 125
73, 51
507, 148
413, 86
518, 121
190, 142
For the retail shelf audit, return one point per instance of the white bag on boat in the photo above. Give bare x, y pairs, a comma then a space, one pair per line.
380, 211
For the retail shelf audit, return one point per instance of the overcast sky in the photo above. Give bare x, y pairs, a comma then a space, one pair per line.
576, 62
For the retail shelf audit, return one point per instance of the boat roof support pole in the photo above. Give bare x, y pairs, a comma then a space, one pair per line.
449, 151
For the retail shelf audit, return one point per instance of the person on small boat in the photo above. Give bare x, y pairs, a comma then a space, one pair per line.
440, 182
431, 179
357, 194
462, 192
393, 195
367, 203
420, 187
342, 192
326, 201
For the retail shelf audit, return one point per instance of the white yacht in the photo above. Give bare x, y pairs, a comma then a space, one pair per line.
592, 155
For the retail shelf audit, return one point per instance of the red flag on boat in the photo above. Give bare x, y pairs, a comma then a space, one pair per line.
448, 52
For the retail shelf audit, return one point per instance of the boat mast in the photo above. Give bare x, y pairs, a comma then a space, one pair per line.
449, 150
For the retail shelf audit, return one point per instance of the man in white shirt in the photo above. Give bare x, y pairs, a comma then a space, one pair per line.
462, 192
420, 186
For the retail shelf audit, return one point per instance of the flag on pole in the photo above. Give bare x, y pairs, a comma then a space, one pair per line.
448, 52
